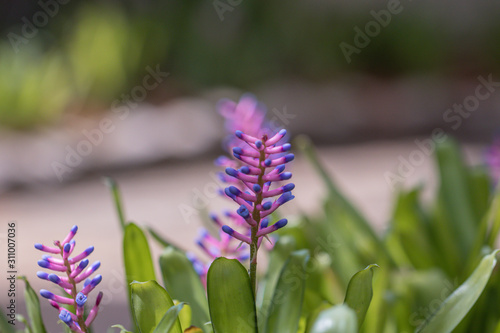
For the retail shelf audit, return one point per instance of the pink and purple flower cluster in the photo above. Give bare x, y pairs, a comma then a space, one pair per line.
72, 271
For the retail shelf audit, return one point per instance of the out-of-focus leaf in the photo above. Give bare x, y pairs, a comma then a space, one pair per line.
359, 292
150, 303
33, 308
455, 194
4, 324
285, 311
277, 259
183, 283
337, 319
27, 327
161, 240
457, 305
136, 257
169, 320
185, 315
230, 297
336, 196
479, 184
117, 200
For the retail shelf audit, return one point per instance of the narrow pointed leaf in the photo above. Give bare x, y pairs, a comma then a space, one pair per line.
33, 308
337, 319
117, 200
150, 303
169, 320
230, 297
359, 292
183, 284
286, 306
458, 304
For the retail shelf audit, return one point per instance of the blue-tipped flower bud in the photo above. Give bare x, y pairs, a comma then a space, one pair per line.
268, 162
239, 134
289, 157
256, 188
244, 169
89, 250
243, 212
38, 246
280, 224
74, 229
280, 168
284, 198
234, 190
237, 150
96, 280
43, 263
288, 187
267, 205
264, 223
54, 278
228, 230
258, 144
83, 263
81, 299
87, 282
287, 147
42, 275
95, 266
67, 247
232, 172
65, 317
47, 294
285, 175
282, 132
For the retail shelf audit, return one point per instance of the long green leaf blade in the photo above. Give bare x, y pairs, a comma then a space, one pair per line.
230, 297
136, 257
150, 303
360, 292
117, 200
458, 304
286, 306
337, 319
33, 308
4, 324
183, 283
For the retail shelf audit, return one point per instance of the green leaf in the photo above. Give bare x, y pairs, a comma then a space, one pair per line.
150, 303
122, 329
4, 324
337, 319
230, 297
33, 308
457, 305
27, 327
117, 200
284, 313
359, 292
183, 283
455, 194
136, 257
185, 315
169, 320
161, 240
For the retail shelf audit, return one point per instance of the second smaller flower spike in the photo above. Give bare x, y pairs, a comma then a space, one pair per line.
73, 271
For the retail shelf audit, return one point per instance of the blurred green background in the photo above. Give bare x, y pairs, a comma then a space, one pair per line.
86, 53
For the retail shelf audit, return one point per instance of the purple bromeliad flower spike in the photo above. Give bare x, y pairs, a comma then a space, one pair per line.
74, 272
263, 161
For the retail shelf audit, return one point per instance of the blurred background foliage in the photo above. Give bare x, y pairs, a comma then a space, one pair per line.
85, 57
